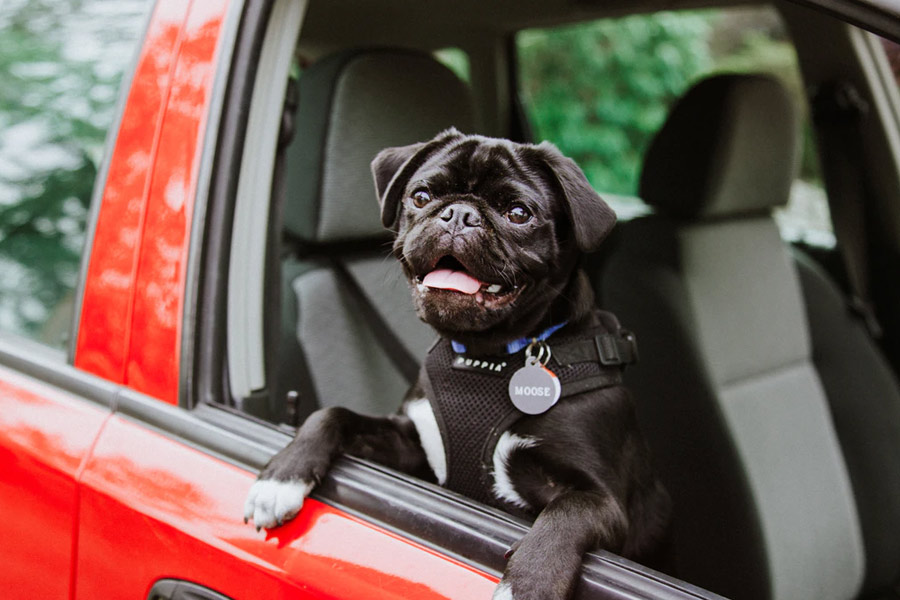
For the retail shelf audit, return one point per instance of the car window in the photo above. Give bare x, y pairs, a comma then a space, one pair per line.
600, 90
61, 63
457, 60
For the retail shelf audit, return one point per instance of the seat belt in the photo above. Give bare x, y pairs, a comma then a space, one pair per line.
402, 359
838, 111
292, 376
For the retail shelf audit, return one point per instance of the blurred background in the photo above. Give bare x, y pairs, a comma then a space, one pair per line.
601, 90
61, 62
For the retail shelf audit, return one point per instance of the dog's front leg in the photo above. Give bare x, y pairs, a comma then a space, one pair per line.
290, 475
546, 563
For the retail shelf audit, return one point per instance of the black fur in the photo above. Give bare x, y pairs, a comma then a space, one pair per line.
589, 479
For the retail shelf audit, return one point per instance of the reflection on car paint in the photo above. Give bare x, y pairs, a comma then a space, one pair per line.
131, 325
45, 436
169, 502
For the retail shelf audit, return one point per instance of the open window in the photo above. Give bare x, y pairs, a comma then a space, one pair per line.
600, 90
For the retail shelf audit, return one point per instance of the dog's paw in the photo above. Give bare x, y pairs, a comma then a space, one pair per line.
539, 569
503, 592
271, 502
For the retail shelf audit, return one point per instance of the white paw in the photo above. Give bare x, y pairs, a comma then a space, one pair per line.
270, 503
503, 592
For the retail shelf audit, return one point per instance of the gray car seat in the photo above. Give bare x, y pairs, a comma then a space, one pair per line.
351, 105
773, 419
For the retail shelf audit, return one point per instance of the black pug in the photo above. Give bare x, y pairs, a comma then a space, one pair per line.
520, 403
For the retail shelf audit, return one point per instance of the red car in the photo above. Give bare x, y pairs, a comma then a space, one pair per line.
170, 309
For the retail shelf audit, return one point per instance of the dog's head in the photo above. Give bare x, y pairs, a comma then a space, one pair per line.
488, 231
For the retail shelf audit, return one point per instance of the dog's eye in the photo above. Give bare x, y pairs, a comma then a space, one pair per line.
518, 214
420, 198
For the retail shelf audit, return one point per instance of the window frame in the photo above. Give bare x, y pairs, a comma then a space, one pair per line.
205, 322
247, 263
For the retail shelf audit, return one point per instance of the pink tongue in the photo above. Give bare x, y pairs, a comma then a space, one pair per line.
452, 280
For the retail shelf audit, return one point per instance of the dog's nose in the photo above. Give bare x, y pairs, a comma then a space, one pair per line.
460, 216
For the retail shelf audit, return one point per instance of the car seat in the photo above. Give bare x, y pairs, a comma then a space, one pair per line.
351, 105
773, 418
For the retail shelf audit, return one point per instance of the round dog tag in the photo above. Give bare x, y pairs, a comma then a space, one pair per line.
534, 389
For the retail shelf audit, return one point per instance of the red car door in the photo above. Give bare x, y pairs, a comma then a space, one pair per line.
46, 435
154, 508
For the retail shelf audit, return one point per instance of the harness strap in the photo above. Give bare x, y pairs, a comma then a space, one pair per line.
591, 383
609, 349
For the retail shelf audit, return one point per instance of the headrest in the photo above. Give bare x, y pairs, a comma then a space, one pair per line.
730, 146
352, 105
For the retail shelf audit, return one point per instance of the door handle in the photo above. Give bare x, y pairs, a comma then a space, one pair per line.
177, 589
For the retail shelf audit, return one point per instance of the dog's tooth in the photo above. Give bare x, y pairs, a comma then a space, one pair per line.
479, 298
493, 289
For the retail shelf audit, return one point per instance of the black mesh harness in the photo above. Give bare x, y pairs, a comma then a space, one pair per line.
470, 397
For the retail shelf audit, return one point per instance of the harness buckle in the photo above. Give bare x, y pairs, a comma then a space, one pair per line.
616, 350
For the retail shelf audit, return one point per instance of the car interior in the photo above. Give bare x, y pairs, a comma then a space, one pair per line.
767, 384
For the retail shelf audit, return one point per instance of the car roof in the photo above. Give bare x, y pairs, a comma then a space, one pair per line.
435, 24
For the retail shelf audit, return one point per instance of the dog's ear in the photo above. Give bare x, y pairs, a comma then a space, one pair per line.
393, 167
592, 219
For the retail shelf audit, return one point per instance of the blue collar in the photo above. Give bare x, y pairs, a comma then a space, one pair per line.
515, 345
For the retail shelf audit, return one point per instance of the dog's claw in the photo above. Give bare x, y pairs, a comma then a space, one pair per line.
512, 549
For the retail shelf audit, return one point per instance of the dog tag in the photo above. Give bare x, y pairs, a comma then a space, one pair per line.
534, 389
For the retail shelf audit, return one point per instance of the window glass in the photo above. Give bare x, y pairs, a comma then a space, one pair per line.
600, 90
457, 61
61, 62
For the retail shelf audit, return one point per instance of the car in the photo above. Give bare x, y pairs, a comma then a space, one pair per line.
192, 262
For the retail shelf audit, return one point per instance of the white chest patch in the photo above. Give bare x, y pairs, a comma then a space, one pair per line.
503, 485
420, 413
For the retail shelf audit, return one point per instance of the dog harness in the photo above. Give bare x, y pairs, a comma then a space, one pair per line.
471, 402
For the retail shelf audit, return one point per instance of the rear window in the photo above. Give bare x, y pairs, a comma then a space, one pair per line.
600, 90
61, 64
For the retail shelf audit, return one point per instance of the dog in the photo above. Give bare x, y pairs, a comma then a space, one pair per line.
520, 403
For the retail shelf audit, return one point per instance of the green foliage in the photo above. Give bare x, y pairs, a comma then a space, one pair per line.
60, 64
457, 61
601, 89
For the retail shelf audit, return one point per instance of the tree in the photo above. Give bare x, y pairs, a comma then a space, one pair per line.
600, 90
60, 64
